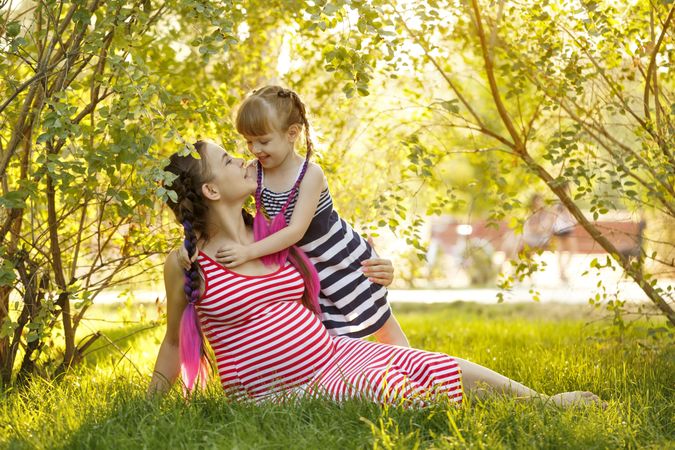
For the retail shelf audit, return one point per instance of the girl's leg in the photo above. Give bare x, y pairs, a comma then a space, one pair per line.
480, 380
391, 333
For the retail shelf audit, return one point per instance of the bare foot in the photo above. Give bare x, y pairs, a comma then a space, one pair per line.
577, 398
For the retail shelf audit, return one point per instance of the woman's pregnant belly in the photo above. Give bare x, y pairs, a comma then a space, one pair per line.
280, 347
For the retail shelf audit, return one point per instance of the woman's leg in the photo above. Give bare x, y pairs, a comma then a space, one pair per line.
391, 333
480, 380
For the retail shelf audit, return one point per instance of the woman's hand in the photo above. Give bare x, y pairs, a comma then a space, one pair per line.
233, 255
167, 366
378, 270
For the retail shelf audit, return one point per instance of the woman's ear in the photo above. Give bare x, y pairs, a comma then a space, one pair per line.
294, 132
210, 191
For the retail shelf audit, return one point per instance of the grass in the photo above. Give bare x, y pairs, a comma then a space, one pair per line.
551, 348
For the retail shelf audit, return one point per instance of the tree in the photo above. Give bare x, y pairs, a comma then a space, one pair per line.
576, 92
574, 104
91, 92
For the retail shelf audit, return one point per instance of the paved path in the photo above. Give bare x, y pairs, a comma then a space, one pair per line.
582, 286
562, 294
571, 294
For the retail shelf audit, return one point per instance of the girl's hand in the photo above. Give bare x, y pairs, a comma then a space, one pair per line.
233, 255
378, 270
184, 259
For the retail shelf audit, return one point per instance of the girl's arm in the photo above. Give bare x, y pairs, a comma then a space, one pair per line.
308, 199
167, 366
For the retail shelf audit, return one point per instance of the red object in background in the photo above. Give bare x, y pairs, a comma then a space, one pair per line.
625, 235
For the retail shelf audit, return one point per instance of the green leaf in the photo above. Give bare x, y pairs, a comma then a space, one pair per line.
451, 106
13, 199
13, 29
44, 137
7, 328
7, 274
330, 9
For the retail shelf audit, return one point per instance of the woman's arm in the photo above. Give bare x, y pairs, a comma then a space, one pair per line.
308, 198
167, 366
378, 270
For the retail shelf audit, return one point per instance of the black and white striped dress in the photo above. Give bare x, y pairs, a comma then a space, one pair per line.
350, 304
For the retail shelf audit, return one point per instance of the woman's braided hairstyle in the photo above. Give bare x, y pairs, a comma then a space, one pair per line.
190, 210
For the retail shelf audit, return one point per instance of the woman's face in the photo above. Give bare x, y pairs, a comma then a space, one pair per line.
232, 177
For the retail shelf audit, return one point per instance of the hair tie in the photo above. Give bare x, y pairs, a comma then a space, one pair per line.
284, 93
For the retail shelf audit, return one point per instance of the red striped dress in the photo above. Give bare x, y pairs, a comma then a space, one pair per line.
269, 346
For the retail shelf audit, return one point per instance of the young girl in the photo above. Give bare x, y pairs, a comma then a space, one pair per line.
293, 191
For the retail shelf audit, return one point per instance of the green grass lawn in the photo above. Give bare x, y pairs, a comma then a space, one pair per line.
550, 348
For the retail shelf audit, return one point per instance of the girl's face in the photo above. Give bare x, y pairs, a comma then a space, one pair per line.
232, 179
273, 148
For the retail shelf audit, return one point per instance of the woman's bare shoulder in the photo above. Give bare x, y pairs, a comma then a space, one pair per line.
172, 265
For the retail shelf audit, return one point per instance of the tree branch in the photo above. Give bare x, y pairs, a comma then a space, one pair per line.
494, 89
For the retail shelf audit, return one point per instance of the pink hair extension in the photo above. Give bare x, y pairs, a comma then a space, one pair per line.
262, 229
312, 284
193, 364
191, 342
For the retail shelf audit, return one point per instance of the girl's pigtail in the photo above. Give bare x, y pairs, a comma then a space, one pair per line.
297, 257
191, 344
310, 298
305, 122
262, 229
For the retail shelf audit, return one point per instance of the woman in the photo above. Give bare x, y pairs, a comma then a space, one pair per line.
268, 342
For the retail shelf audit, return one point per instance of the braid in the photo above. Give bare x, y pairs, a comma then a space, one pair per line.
191, 274
305, 123
190, 210
258, 189
303, 118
